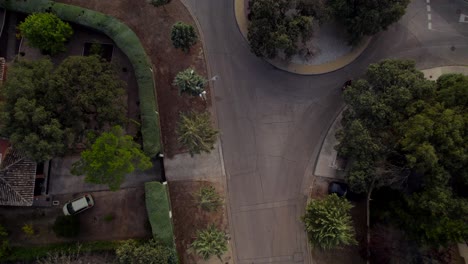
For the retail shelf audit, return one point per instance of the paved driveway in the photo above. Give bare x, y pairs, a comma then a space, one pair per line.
61, 181
272, 122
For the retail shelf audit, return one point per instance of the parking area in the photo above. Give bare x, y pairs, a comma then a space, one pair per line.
115, 215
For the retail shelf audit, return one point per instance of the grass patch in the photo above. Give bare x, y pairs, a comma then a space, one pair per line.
158, 207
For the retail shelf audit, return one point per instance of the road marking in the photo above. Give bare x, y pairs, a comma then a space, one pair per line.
429, 17
429, 26
428, 8
428, 1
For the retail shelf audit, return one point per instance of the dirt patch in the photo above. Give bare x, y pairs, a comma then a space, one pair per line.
188, 217
153, 27
115, 216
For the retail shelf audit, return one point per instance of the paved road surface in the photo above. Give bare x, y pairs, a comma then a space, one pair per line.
272, 122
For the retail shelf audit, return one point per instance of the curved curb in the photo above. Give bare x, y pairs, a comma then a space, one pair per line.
296, 68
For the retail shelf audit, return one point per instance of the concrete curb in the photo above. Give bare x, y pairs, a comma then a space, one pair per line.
302, 69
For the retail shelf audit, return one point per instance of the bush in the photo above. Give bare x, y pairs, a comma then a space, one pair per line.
210, 242
4, 242
159, 2
196, 132
28, 229
46, 32
151, 253
189, 82
66, 226
127, 41
158, 207
208, 199
328, 222
183, 36
109, 217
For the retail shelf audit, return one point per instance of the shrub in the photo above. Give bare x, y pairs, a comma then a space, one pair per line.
159, 2
109, 217
150, 252
208, 199
210, 242
46, 32
189, 82
183, 36
328, 222
158, 207
28, 229
66, 226
196, 132
4, 242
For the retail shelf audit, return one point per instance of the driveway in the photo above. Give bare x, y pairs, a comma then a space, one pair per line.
61, 181
272, 123
125, 207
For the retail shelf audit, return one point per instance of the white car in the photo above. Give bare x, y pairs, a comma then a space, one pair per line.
78, 205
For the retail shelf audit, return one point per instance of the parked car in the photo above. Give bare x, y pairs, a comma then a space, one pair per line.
338, 187
346, 84
78, 205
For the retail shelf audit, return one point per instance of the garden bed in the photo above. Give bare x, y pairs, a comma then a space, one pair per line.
188, 217
153, 27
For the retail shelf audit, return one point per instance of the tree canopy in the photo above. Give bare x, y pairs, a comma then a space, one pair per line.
272, 31
46, 32
328, 222
110, 158
47, 110
210, 242
188, 81
398, 125
367, 17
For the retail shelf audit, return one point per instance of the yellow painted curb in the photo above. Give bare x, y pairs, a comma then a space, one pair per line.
304, 69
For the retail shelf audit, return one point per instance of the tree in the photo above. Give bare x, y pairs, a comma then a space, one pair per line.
189, 82
159, 2
196, 132
208, 199
399, 125
150, 252
46, 32
4, 242
27, 119
328, 222
66, 226
271, 31
183, 36
367, 17
45, 111
210, 242
110, 158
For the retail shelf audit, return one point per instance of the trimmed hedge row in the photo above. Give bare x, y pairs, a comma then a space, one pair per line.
127, 41
158, 207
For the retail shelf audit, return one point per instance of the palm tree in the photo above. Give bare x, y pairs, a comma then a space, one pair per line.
210, 242
196, 132
208, 199
328, 222
189, 82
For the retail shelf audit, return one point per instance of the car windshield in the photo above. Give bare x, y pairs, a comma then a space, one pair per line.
70, 208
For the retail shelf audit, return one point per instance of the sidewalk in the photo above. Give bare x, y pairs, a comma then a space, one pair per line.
436, 72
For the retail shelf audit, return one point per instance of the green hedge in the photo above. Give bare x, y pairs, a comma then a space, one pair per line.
34, 252
127, 41
158, 207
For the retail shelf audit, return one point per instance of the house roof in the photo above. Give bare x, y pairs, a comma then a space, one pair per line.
17, 177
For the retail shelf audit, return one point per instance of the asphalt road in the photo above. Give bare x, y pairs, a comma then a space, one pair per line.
272, 123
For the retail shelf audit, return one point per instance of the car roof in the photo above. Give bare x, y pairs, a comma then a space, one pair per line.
80, 204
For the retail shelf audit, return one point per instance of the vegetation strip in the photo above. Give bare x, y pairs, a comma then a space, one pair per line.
127, 41
158, 207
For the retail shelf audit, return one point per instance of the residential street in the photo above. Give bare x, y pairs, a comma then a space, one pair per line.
272, 122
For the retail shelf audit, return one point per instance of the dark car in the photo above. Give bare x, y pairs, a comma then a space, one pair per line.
338, 187
346, 84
